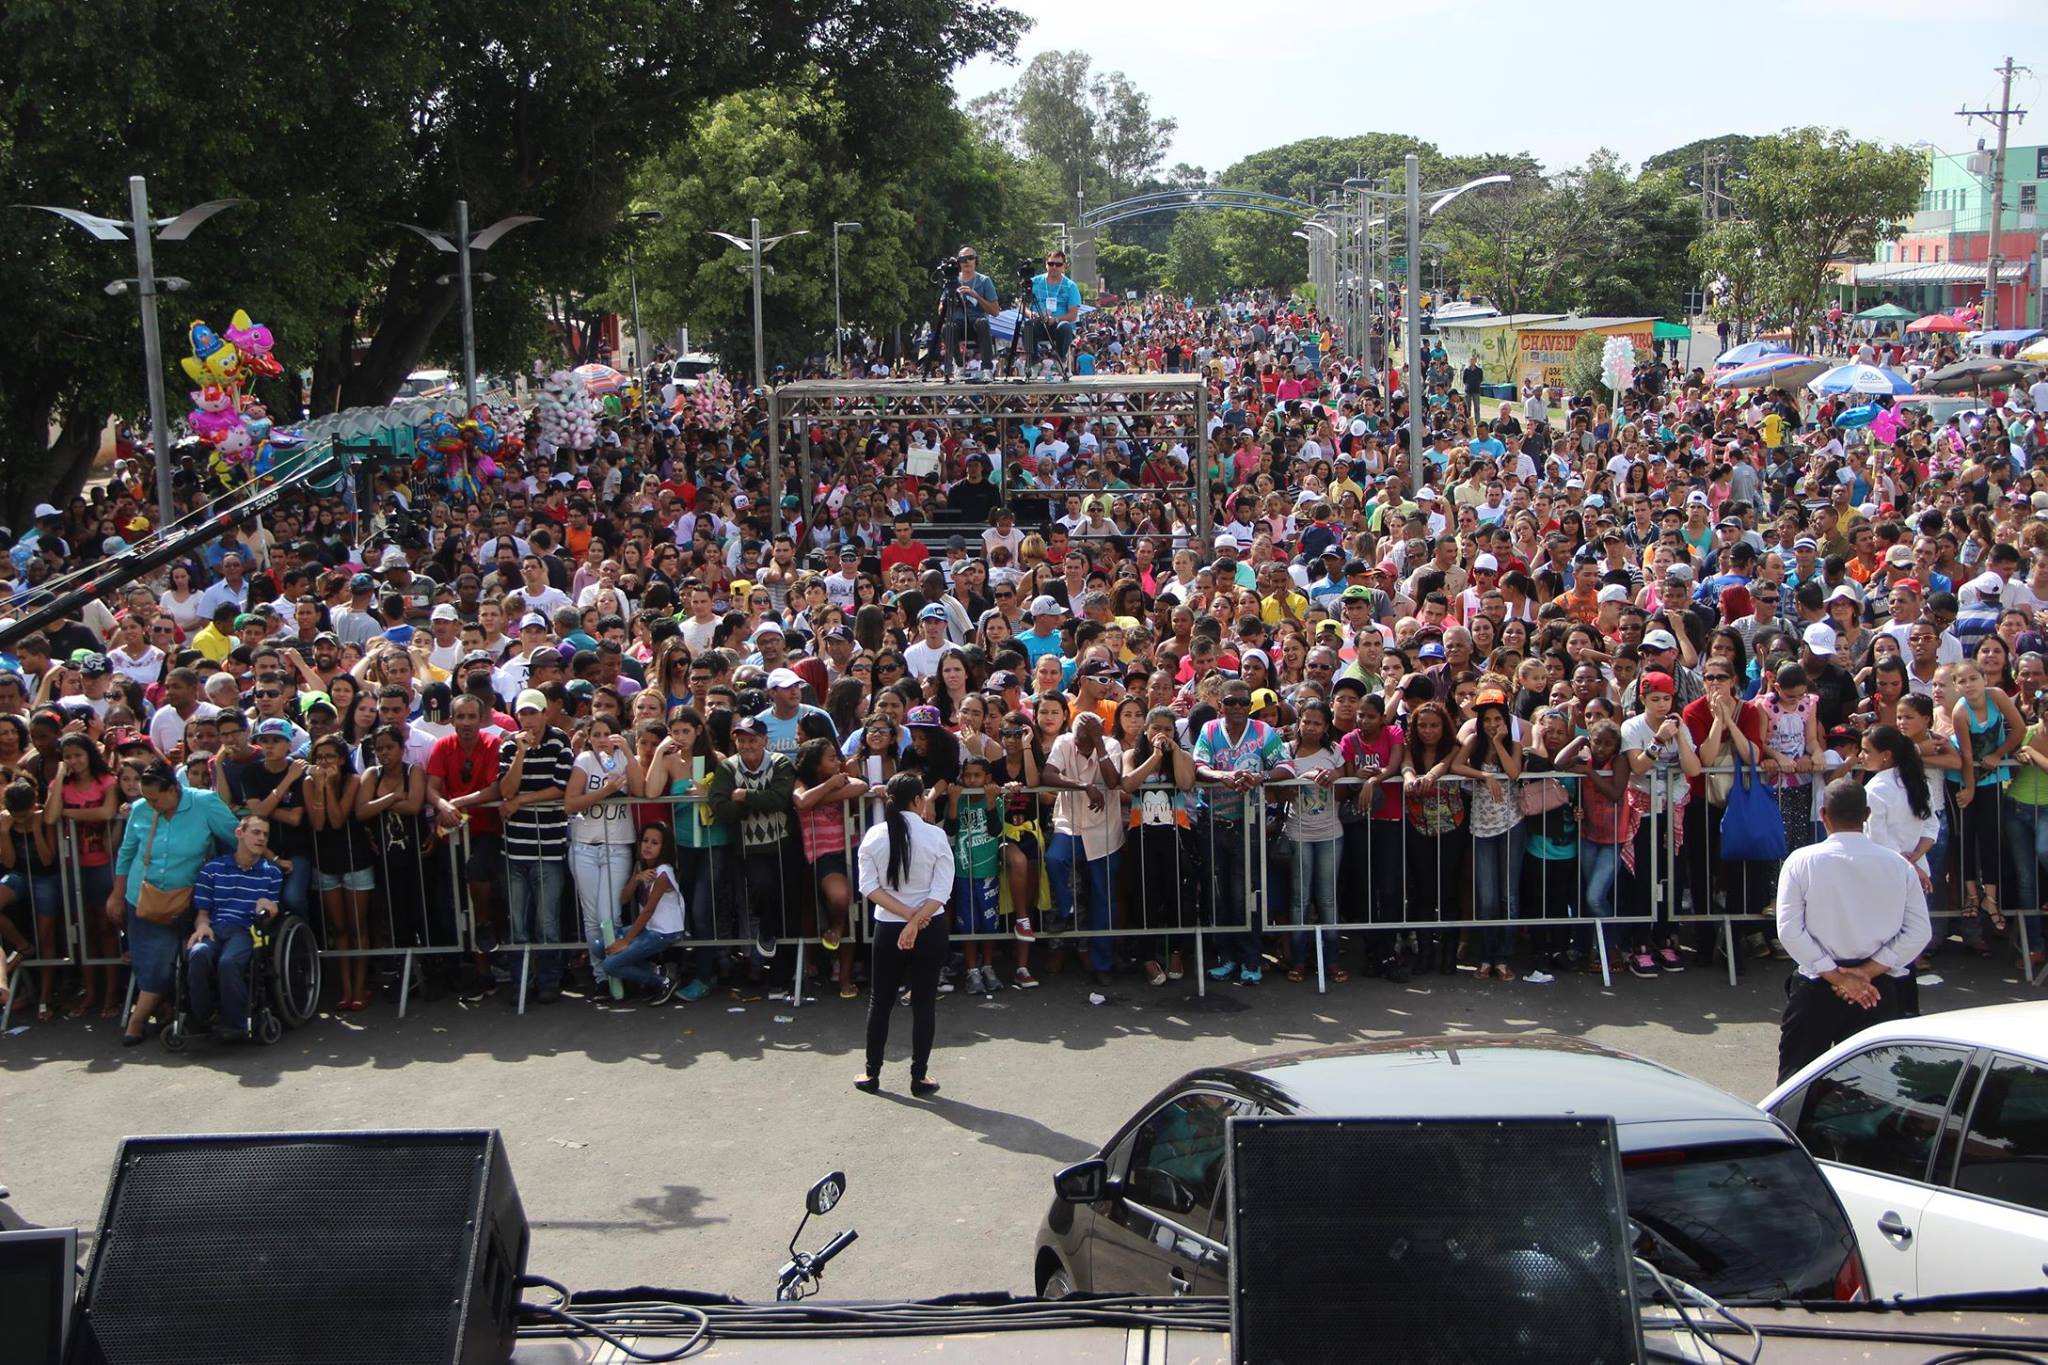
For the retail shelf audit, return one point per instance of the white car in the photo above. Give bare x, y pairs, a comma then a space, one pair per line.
1934, 1133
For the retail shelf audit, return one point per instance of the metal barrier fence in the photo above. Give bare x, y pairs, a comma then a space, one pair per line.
1211, 869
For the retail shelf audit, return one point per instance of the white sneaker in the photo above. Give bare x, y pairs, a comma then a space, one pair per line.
1538, 978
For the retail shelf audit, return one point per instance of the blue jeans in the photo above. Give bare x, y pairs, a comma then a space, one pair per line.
1315, 880
297, 893
533, 904
1600, 866
2026, 843
634, 962
223, 966
1493, 892
1061, 859
701, 875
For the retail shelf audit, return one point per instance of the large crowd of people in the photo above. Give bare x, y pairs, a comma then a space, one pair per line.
616, 703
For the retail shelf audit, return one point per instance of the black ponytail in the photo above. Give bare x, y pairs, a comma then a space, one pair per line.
903, 792
1912, 769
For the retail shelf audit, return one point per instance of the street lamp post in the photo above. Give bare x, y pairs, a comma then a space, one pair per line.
756, 246
145, 232
634, 222
838, 326
461, 247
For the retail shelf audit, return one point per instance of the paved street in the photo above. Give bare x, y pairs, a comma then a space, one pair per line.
673, 1147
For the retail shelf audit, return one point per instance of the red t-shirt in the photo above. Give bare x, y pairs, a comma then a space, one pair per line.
1699, 718
912, 554
462, 774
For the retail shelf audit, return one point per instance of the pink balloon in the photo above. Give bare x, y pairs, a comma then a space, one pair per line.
487, 467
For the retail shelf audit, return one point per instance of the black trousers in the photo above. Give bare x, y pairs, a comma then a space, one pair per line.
890, 969
1816, 1019
959, 329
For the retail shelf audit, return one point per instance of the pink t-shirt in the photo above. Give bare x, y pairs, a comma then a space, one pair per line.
1375, 753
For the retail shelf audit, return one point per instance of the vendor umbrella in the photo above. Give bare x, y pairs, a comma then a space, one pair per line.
598, 380
1885, 312
1872, 379
1938, 322
1782, 371
2035, 353
1974, 372
1749, 351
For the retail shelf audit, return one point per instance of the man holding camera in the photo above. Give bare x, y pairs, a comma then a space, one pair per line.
1055, 305
968, 308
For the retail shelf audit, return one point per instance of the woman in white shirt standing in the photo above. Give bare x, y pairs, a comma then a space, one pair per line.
601, 831
906, 872
1902, 817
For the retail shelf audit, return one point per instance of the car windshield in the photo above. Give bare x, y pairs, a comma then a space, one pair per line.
1746, 1222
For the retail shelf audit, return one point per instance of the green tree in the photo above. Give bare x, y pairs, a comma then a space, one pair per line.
1098, 131
1130, 269
1582, 368
335, 120
1732, 149
1815, 196
1196, 264
1730, 258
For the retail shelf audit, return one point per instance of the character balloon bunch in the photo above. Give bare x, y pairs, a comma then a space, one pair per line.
460, 451
568, 419
221, 364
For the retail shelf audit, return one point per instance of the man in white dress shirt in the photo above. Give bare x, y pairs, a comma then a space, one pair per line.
1851, 913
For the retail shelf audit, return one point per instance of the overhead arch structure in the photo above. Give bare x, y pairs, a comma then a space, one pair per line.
1172, 201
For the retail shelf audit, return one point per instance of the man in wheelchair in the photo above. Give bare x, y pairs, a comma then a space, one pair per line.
232, 893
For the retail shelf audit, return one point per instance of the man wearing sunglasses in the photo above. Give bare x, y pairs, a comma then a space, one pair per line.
1055, 305
971, 302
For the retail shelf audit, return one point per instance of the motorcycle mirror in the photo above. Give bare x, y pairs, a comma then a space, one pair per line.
825, 1194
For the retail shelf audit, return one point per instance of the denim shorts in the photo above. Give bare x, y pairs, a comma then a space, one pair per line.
355, 879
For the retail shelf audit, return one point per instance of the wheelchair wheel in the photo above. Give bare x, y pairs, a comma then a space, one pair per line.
294, 971
269, 1028
176, 1035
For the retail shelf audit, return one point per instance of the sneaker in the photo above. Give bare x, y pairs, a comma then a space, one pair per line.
1176, 968
547, 995
1249, 977
764, 944
1223, 971
694, 991
665, 992
986, 976
1779, 952
1669, 960
1642, 964
945, 988
1757, 944
1025, 933
1539, 977
1023, 980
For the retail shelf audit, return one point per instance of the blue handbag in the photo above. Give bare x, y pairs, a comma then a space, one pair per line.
1752, 827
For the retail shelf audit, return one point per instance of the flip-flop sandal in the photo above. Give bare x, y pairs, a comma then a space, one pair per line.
849, 992
1294, 973
1339, 975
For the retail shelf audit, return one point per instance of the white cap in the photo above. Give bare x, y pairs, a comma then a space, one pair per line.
1820, 638
43, 509
1659, 639
1696, 498
1425, 494
532, 620
785, 677
1575, 482
394, 558
1986, 585
1485, 564
1226, 541
529, 700
1614, 592
445, 612
1843, 593
1049, 606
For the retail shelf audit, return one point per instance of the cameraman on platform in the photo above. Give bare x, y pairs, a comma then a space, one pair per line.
1055, 304
968, 308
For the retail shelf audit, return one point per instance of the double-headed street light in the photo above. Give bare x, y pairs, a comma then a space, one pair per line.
144, 232
756, 246
838, 326
461, 247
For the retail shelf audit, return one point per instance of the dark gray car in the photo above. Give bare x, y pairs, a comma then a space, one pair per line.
1719, 1194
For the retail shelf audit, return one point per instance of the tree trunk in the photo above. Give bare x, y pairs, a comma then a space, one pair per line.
412, 314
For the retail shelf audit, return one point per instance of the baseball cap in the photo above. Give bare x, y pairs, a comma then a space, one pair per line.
1485, 564
248, 618
1986, 585
475, 656
770, 627
532, 700
750, 725
1614, 592
274, 729
1657, 681
317, 699
1911, 585
1003, 679
1806, 543
1680, 572
784, 677
849, 552
44, 510
362, 582
1049, 606
1264, 697
1843, 593
1226, 541
445, 612
1696, 499
1357, 592
932, 612
1103, 668
326, 637
1660, 640
1433, 650
394, 558
1899, 554
533, 620
95, 666
924, 718
544, 657
1820, 638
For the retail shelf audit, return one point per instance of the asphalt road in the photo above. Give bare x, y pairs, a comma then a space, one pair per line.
673, 1147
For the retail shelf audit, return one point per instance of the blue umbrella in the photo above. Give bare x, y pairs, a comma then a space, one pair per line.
1777, 370
1871, 379
1750, 351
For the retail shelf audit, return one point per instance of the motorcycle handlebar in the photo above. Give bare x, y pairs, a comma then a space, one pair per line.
833, 1248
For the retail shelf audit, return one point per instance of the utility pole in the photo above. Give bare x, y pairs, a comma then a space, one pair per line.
2002, 118
1710, 175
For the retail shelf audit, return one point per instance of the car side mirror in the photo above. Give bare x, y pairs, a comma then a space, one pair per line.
1084, 1182
825, 1194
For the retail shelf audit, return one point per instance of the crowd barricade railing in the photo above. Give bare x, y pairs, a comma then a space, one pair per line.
1395, 878
1740, 896
47, 934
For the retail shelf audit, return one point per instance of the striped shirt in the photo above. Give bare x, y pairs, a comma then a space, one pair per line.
228, 892
536, 833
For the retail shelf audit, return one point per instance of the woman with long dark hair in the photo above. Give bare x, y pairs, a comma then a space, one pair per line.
906, 872
1903, 816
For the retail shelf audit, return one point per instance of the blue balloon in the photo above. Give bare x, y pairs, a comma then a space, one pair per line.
1859, 417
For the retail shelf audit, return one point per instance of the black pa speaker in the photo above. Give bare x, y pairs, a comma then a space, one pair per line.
304, 1248
1429, 1241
